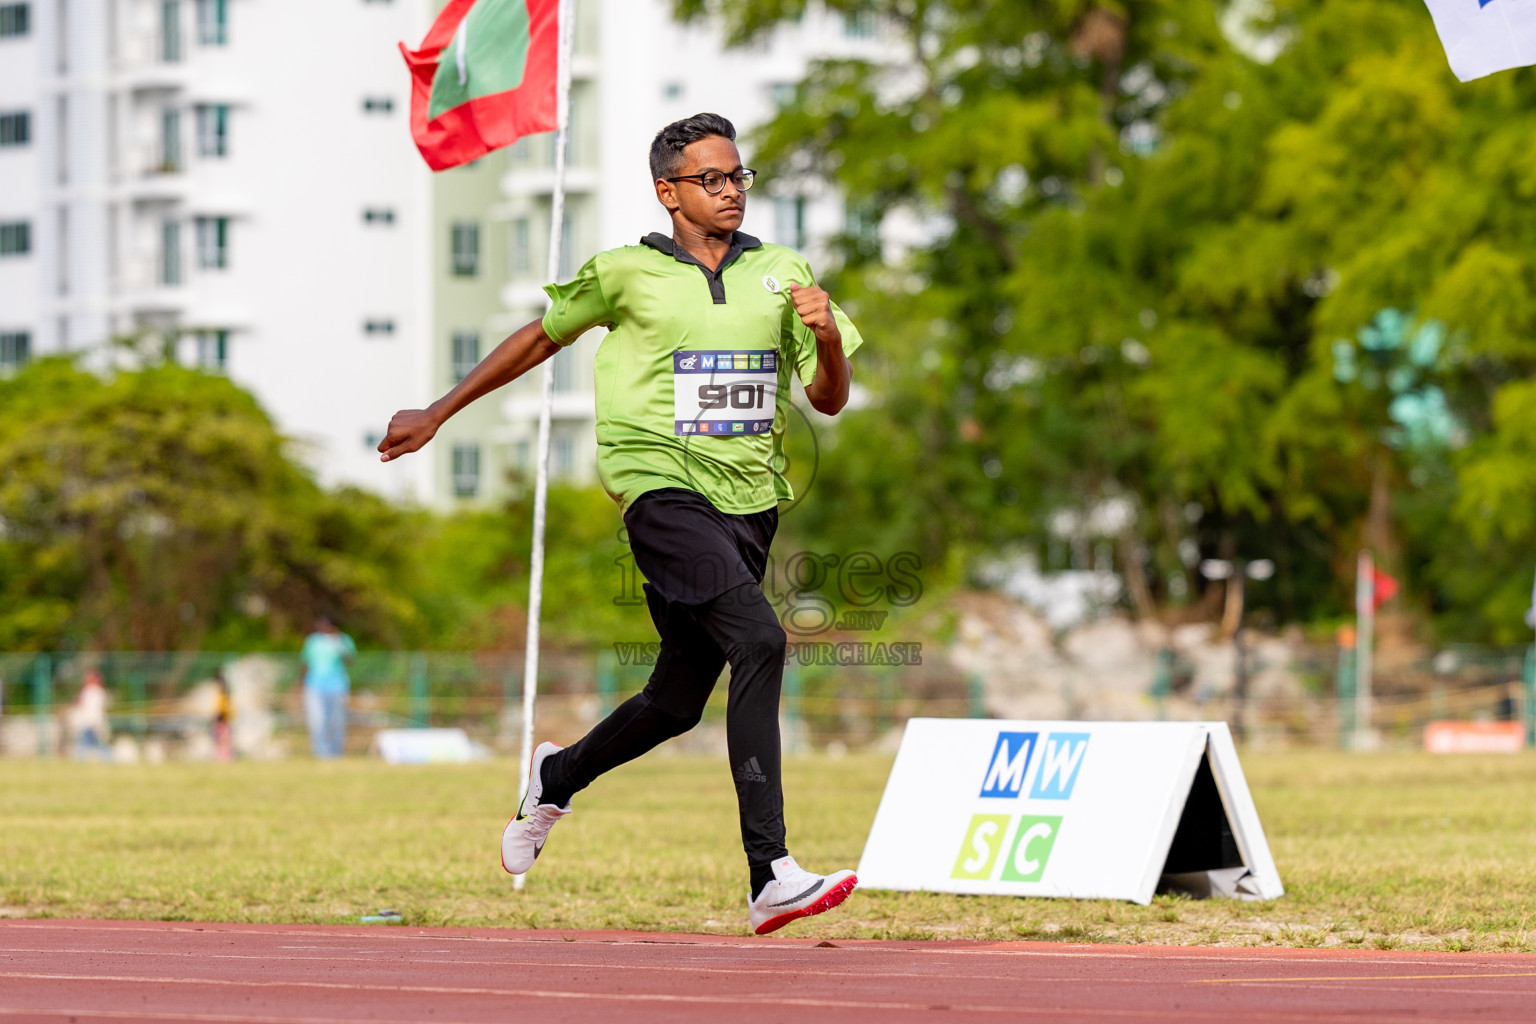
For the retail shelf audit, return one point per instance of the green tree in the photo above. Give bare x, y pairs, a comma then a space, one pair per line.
1143, 243
157, 508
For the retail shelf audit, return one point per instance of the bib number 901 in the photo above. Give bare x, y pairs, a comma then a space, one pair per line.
735, 396
725, 393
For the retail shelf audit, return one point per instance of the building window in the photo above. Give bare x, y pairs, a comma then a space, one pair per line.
859, 25
15, 20
562, 455
466, 249
520, 257
170, 140
213, 129
213, 22
568, 264
466, 353
861, 227
170, 252
789, 220
212, 243
565, 371
170, 31
381, 326
15, 238
61, 135
15, 349
210, 349
61, 253
466, 470
378, 215
378, 105
15, 129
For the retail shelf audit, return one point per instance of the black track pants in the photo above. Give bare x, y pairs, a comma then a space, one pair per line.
740, 628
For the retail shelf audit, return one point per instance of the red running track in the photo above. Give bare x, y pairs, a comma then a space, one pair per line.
84, 972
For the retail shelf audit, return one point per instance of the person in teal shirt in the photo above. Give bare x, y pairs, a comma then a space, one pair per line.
326, 653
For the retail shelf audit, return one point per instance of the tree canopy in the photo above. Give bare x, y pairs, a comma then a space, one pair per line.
158, 508
1148, 230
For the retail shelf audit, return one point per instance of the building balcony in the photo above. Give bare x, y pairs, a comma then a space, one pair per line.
524, 294
139, 72
158, 301
540, 181
567, 405
166, 185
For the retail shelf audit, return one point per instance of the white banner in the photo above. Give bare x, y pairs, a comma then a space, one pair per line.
1090, 810
424, 746
1484, 36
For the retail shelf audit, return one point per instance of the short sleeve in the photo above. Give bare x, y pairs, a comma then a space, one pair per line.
307, 653
349, 649
577, 306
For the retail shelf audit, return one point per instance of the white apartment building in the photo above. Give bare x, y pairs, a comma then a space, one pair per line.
240, 173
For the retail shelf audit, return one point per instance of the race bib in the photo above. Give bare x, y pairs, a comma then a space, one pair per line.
729, 393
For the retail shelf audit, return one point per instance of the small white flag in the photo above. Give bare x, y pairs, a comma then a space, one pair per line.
1484, 36
1530, 613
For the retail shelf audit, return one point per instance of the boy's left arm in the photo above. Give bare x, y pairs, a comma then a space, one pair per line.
828, 390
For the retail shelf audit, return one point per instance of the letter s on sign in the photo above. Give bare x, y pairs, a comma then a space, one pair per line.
980, 846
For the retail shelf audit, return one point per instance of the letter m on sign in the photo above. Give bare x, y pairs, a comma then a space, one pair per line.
1009, 764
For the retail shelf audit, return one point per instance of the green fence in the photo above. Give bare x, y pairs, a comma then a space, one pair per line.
151, 693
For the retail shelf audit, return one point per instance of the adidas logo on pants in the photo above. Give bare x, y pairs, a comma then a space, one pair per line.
749, 771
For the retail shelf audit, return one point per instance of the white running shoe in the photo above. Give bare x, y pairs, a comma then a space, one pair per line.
524, 836
796, 893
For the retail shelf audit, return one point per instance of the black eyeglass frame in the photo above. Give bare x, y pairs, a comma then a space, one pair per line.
747, 174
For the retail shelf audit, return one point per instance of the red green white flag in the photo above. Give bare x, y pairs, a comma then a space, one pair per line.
485, 76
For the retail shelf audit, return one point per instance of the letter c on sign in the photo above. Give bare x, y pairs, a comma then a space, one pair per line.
1021, 862
981, 846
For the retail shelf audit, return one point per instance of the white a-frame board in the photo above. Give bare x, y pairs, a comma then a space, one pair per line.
1087, 810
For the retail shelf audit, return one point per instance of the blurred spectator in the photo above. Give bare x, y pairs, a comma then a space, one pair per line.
223, 742
87, 720
325, 683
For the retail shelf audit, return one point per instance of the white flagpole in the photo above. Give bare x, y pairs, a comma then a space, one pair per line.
541, 473
1365, 614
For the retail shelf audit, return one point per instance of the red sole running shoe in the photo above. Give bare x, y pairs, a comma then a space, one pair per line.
834, 897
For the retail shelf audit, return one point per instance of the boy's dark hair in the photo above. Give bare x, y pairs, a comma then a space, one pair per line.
667, 148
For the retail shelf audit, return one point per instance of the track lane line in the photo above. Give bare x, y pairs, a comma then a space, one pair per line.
929, 1006
1281, 980
807, 971
744, 943
1076, 951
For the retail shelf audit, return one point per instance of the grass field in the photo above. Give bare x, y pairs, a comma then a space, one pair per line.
1386, 851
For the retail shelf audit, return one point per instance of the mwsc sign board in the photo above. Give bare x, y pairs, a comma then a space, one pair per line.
1088, 810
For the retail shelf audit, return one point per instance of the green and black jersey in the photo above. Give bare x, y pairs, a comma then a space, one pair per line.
693, 376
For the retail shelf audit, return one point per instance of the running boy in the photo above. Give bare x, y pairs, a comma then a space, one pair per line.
692, 385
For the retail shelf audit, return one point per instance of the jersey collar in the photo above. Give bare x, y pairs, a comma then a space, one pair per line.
740, 242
